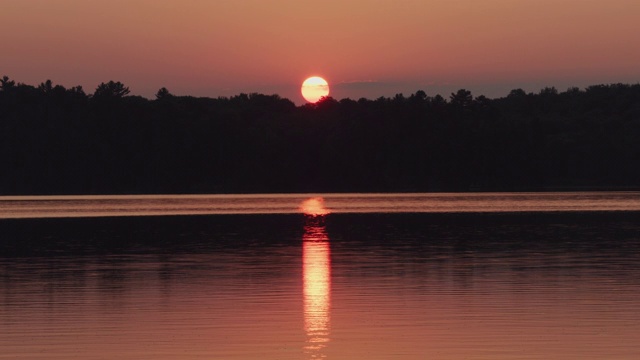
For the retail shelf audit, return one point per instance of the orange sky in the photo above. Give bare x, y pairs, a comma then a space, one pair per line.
364, 48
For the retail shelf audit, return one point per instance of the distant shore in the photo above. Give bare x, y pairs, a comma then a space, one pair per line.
55, 140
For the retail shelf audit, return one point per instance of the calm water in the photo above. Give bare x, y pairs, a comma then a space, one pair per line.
497, 276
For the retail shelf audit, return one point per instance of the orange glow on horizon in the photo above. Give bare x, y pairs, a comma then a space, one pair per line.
314, 207
490, 47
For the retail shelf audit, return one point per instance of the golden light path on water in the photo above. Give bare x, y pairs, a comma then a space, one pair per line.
316, 269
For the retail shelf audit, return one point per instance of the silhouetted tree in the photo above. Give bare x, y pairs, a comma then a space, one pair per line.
6, 84
48, 89
111, 90
163, 93
77, 90
573, 90
517, 93
462, 98
399, 99
46, 86
549, 91
438, 100
326, 103
482, 101
54, 140
419, 97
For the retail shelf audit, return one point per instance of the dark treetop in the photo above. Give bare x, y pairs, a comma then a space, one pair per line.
55, 140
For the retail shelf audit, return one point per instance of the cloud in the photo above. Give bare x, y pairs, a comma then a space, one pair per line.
356, 89
360, 84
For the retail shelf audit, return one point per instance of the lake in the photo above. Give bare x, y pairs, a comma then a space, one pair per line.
382, 276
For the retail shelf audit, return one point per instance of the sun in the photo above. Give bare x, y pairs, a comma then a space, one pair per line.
314, 88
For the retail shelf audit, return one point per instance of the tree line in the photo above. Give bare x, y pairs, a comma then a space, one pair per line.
57, 140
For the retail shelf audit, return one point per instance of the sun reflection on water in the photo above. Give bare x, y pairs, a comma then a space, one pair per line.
314, 207
317, 288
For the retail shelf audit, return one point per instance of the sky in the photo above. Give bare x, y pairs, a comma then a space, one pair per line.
363, 48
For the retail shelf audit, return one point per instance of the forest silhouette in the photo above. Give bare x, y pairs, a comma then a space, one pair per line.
57, 140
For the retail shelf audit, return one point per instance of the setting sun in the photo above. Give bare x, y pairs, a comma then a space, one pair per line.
314, 88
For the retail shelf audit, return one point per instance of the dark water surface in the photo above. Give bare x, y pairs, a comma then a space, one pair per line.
506, 285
